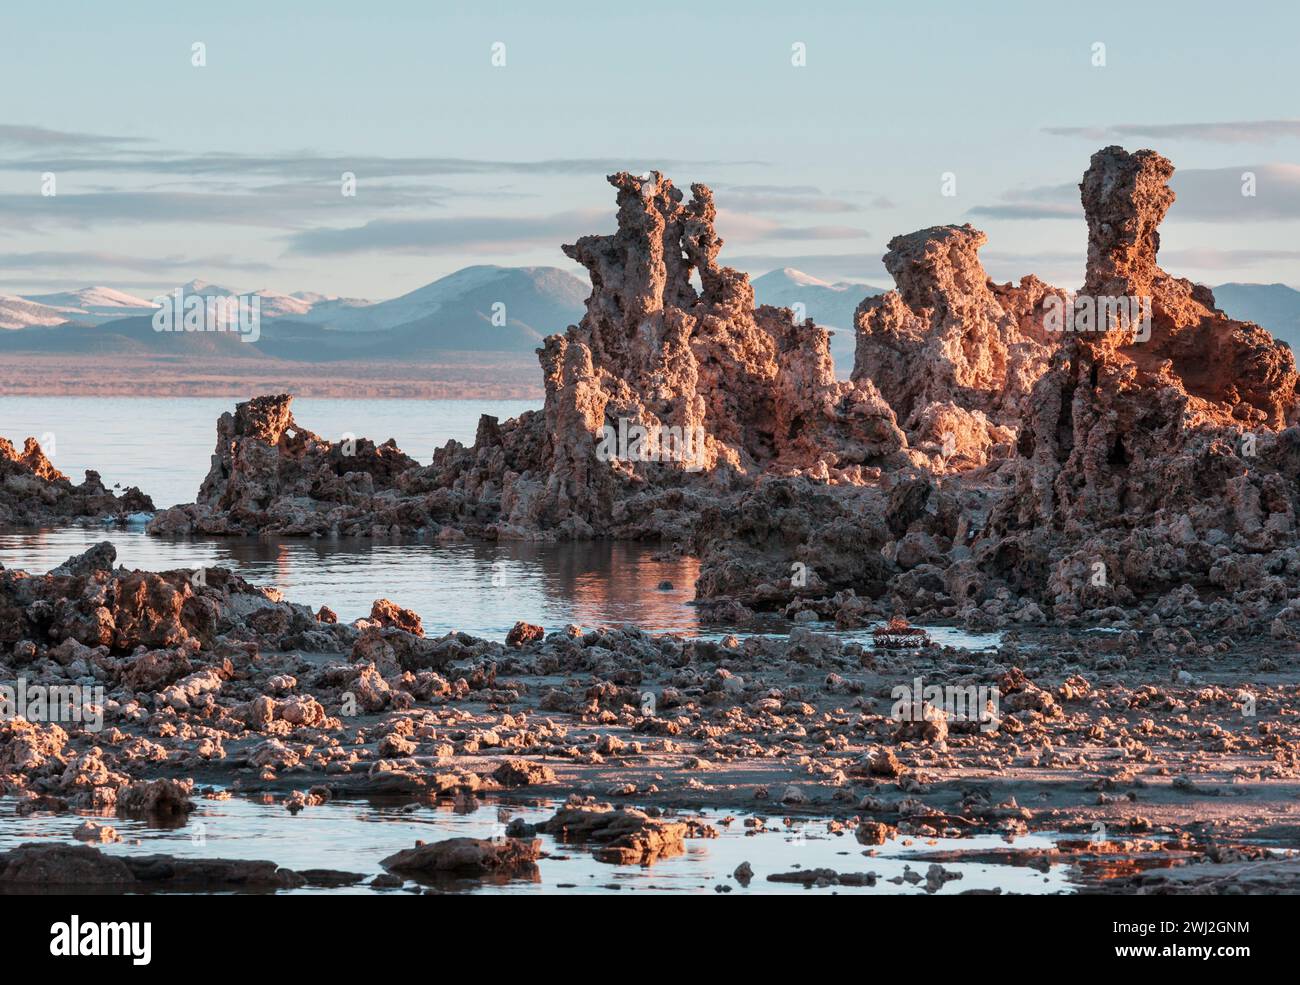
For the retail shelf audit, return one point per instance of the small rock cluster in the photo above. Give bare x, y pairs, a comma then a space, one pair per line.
34, 493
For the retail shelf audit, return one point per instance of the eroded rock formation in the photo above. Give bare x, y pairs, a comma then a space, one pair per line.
989, 459
1161, 453
663, 390
953, 354
271, 475
653, 350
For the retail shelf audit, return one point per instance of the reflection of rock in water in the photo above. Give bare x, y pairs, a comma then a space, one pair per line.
449, 586
621, 584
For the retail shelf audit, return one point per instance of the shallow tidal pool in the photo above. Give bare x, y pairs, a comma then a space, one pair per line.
354, 836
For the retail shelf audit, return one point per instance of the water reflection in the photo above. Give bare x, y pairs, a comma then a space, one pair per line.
478, 587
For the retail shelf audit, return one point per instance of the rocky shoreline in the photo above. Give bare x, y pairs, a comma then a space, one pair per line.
1182, 751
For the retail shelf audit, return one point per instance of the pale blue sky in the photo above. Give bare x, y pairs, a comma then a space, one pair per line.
231, 172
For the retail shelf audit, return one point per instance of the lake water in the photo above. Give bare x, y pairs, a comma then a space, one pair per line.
478, 587
354, 836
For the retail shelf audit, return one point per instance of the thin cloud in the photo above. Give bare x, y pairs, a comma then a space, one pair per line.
306, 166
781, 198
141, 207
41, 137
275, 206
1215, 194
726, 186
1228, 132
792, 198
1212, 258
1027, 210
818, 232
507, 234
764, 202
84, 260
742, 227
467, 234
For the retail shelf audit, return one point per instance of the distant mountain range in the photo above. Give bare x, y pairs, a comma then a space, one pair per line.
480, 309
485, 309
1274, 306
92, 305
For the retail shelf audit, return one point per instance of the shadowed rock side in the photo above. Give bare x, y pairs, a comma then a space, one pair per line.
981, 463
34, 493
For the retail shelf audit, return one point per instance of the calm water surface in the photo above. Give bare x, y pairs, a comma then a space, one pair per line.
355, 836
477, 587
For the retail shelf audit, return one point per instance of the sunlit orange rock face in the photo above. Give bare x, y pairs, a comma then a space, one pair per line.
1115, 404
948, 333
1144, 435
32, 458
1231, 371
952, 353
751, 387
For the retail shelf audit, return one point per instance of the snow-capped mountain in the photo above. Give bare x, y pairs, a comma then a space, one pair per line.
828, 304
90, 305
487, 309
529, 296
105, 301
16, 312
277, 305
